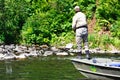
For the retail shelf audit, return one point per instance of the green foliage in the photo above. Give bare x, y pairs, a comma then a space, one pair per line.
36, 30
102, 41
49, 18
1, 39
105, 39
63, 39
116, 42
87, 6
108, 10
2, 20
14, 15
49, 21
93, 40
115, 29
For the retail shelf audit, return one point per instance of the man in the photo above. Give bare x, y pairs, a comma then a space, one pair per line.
79, 25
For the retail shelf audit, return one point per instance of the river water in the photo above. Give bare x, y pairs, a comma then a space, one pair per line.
39, 68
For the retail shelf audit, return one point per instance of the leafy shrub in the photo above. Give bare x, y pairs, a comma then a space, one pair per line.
93, 40
49, 21
63, 39
115, 29
36, 30
116, 42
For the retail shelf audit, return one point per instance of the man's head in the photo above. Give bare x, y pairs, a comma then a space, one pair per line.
77, 9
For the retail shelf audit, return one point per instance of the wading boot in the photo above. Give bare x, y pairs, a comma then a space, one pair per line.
87, 54
79, 55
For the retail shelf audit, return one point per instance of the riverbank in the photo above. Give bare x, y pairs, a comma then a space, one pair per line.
20, 51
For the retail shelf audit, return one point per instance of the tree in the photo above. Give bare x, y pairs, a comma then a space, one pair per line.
14, 16
2, 20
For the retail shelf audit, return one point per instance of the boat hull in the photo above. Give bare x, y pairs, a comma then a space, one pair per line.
97, 70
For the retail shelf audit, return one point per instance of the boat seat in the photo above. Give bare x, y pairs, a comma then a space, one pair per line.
115, 64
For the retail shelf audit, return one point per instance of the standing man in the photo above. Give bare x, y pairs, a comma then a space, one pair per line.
79, 25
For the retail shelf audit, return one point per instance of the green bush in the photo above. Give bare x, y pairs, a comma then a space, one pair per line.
36, 30
116, 42
49, 21
64, 39
93, 40
115, 29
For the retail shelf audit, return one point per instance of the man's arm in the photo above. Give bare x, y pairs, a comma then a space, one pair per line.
74, 21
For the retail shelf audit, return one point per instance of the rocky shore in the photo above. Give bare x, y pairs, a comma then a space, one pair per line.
20, 51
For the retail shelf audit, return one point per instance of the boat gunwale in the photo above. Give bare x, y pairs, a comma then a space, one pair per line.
87, 63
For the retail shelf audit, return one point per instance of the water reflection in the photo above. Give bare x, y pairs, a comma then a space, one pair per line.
8, 67
39, 69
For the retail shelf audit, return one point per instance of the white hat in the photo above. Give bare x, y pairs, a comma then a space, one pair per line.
77, 8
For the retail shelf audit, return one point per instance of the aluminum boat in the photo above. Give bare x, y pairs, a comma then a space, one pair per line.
98, 68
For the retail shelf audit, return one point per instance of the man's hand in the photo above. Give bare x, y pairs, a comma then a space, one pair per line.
74, 29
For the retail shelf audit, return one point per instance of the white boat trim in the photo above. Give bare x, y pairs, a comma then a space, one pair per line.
95, 64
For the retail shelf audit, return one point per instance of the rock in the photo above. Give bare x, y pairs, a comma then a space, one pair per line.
69, 46
18, 49
22, 56
1, 56
1, 50
102, 52
54, 49
115, 52
21, 52
48, 53
44, 47
9, 46
98, 49
8, 56
62, 54
72, 54
73, 50
2, 46
33, 53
